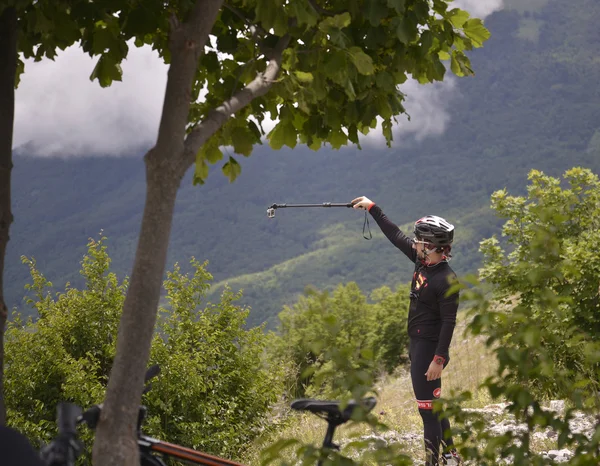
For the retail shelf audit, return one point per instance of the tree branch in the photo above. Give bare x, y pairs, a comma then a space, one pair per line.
217, 117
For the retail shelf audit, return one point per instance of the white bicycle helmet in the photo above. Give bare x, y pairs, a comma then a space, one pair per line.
435, 230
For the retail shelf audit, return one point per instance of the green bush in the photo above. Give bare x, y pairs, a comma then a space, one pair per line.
551, 275
323, 327
66, 354
214, 390
542, 321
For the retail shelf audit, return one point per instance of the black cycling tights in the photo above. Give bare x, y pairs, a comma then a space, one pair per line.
421, 354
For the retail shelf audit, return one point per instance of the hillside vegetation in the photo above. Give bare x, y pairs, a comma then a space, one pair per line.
532, 104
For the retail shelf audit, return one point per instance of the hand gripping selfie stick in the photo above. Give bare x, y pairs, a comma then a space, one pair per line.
271, 209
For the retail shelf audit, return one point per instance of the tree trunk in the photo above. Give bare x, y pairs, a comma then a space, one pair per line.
115, 442
8, 67
175, 151
139, 316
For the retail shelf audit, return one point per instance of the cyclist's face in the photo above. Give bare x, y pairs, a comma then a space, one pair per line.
420, 246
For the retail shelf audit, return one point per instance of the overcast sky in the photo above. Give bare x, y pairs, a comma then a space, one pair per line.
60, 112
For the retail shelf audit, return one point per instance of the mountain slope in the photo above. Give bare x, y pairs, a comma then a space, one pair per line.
534, 103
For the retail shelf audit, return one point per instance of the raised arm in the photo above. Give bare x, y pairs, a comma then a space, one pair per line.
389, 228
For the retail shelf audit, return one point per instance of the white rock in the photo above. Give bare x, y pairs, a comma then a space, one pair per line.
557, 406
560, 456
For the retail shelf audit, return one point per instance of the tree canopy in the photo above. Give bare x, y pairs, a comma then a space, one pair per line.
341, 62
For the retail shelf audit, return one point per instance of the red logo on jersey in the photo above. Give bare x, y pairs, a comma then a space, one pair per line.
420, 281
437, 392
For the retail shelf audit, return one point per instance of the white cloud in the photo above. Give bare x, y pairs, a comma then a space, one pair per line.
478, 8
427, 106
59, 111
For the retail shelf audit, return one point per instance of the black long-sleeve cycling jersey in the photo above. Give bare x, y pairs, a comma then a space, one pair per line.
432, 314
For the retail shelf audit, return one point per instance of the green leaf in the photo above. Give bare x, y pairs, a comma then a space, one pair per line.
210, 62
340, 21
385, 81
476, 31
315, 144
19, 71
200, 171
438, 70
232, 169
376, 12
104, 39
335, 65
304, 77
210, 151
386, 128
398, 5
139, 21
227, 43
337, 139
106, 71
280, 26
353, 135
266, 14
255, 130
349, 89
362, 61
426, 42
41, 23
460, 64
243, 140
421, 9
458, 17
289, 59
384, 108
406, 30
284, 133
462, 43
304, 12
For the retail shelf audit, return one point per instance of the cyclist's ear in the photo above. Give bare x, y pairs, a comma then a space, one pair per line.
15, 449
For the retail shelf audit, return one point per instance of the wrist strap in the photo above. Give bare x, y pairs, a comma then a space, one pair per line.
366, 224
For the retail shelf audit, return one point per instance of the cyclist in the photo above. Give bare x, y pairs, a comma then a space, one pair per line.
431, 317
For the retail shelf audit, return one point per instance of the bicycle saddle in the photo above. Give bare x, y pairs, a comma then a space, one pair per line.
331, 409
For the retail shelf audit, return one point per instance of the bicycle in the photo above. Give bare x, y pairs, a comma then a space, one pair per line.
65, 448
